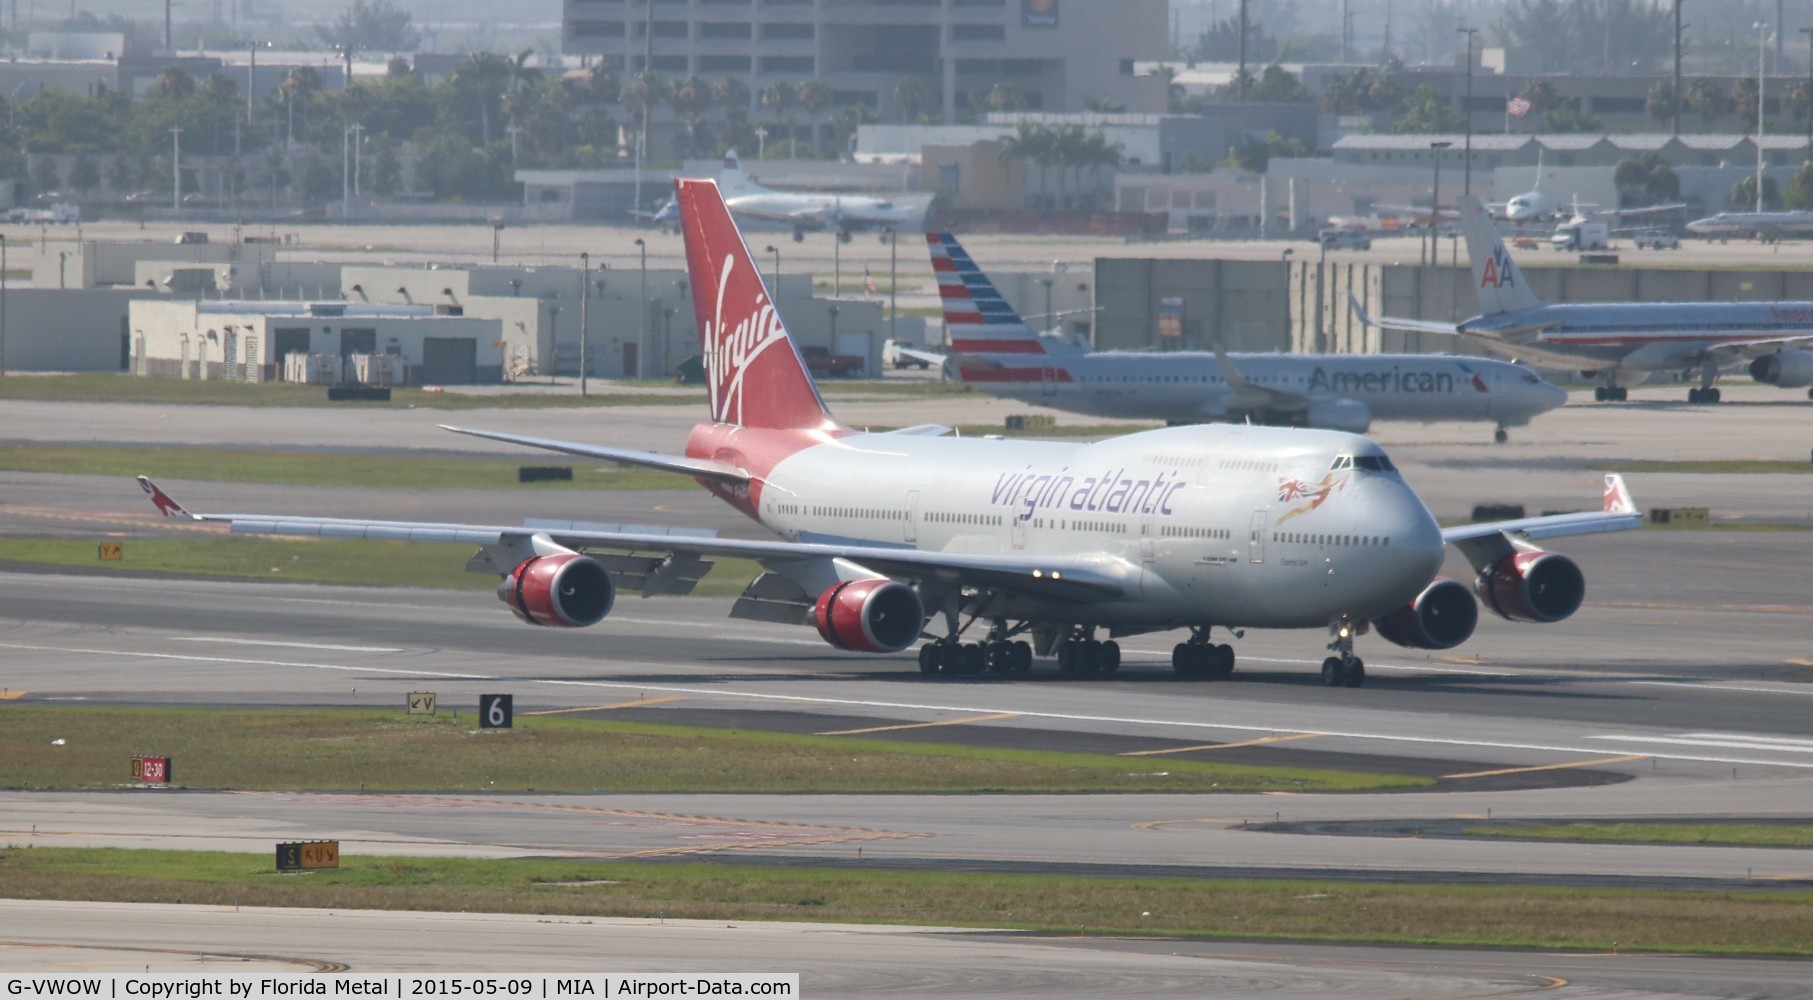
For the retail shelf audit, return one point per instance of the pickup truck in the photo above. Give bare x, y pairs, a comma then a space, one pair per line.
823, 364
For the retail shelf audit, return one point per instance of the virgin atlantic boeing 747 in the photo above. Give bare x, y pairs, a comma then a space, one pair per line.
972, 543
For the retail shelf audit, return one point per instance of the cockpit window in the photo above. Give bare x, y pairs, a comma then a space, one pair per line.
1373, 463
1341, 462
1531, 379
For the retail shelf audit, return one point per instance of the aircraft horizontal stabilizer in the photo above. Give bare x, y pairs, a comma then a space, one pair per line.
701, 467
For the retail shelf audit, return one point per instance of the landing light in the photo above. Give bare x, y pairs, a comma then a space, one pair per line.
1055, 575
1037, 573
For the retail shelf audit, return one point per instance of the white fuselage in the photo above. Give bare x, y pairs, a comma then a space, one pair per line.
816, 211
1202, 525
1188, 386
1644, 336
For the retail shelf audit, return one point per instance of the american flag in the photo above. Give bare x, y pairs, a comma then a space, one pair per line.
868, 280
1517, 107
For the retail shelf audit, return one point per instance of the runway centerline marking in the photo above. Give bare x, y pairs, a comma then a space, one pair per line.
606, 708
293, 645
920, 725
1620, 759
801, 699
1223, 746
1733, 741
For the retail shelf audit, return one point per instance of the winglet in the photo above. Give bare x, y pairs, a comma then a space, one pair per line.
1230, 374
1617, 496
165, 505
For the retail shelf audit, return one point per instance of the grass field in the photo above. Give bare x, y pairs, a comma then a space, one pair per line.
357, 563
381, 471
1590, 919
1735, 466
119, 388
343, 749
1748, 834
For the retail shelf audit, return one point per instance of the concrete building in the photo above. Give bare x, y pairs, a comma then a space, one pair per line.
248, 341
1056, 53
53, 331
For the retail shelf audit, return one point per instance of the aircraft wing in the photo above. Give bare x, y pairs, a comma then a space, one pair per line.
1646, 210
1078, 578
1396, 323
1620, 514
1244, 395
703, 468
917, 355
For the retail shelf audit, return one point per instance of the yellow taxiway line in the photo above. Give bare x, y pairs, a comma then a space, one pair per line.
1222, 746
1549, 767
605, 708
920, 725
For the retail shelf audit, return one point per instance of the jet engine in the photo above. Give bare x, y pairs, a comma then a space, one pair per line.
1348, 415
1532, 586
1441, 617
1789, 369
869, 616
564, 590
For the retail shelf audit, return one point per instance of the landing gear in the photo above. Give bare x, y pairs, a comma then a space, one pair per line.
996, 655
1343, 669
1499, 436
1610, 394
1200, 659
1082, 654
843, 236
1708, 395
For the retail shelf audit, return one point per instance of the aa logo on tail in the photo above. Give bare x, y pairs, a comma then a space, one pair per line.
1498, 272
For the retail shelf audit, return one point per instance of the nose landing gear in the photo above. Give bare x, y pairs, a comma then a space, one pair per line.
1343, 669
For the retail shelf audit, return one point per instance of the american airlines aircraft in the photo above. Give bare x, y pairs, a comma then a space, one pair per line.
994, 350
1614, 340
1763, 225
975, 542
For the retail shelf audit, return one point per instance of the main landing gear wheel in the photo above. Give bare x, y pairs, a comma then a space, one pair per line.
1703, 395
930, 658
1202, 660
1499, 436
1610, 394
1088, 657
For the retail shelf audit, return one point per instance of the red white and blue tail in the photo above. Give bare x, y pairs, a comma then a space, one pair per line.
976, 317
753, 371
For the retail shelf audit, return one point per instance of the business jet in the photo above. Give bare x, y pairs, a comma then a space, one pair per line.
806, 210
1614, 341
1761, 225
994, 350
888, 537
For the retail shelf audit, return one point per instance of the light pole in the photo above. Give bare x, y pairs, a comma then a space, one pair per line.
1809, 33
894, 284
775, 292
1285, 259
176, 170
1674, 107
585, 318
1467, 111
642, 324
1435, 197
2, 305
837, 266
497, 235
833, 311
1762, 53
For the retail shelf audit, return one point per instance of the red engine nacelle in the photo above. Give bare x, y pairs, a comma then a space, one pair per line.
869, 616
1441, 617
565, 590
1533, 586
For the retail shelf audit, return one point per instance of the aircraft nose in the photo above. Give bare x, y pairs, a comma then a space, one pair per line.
1551, 396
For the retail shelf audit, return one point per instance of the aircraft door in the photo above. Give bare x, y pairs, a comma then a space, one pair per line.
1146, 545
1255, 539
1048, 381
1016, 528
910, 529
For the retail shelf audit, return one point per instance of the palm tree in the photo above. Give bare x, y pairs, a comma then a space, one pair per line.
173, 84
1004, 97
1030, 142
691, 100
1707, 97
780, 97
603, 82
640, 97
911, 95
301, 84
814, 99
482, 79
732, 94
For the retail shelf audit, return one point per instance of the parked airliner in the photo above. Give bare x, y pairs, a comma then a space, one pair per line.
1762, 225
1610, 341
993, 349
888, 537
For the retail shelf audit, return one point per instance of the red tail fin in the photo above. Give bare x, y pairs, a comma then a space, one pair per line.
752, 369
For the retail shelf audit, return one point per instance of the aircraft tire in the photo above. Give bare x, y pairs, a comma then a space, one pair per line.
1334, 674
950, 658
973, 659
928, 658
1355, 673
1224, 661
1111, 656
1022, 657
1180, 660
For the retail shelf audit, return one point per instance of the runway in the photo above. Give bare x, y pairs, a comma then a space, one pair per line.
836, 960
1681, 689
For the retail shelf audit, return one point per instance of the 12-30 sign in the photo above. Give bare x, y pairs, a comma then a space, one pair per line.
495, 711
